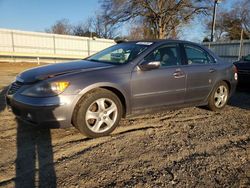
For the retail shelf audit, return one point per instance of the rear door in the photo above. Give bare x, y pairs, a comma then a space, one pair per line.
201, 71
162, 86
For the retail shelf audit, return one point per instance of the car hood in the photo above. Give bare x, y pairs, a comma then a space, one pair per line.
52, 70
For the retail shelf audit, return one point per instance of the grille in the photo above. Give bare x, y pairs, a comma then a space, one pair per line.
14, 88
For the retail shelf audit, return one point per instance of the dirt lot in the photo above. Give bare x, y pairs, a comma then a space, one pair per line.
192, 147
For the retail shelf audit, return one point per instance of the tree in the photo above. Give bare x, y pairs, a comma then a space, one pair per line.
61, 27
81, 30
96, 26
242, 12
229, 23
220, 30
138, 33
140, 30
102, 26
161, 17
84, 29
233, 26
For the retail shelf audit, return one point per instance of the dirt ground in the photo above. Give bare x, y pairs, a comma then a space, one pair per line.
191, 147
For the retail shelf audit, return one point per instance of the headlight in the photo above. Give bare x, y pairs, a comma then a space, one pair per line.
46, 89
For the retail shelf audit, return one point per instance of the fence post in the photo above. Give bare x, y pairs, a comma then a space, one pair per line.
12, 41
54, 43
38, 60
241, 45
13, 45
54, 46
88, 43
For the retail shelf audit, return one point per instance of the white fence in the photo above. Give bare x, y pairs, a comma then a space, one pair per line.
43, 47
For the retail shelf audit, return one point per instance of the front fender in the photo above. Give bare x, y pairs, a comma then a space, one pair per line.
99, 85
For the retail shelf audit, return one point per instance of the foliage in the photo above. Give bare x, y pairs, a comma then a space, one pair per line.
229, 23
97, 26
161, 18
61, 27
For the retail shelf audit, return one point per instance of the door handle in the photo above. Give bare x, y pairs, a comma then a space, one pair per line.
179, 74
212, 70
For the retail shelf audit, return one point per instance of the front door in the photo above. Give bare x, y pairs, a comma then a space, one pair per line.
164, 86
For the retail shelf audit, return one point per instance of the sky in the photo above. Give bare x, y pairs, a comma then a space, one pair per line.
38, 15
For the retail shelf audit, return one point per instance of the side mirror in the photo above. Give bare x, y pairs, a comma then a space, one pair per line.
144, 66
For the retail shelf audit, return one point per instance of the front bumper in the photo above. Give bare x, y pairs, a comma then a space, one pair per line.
52, 112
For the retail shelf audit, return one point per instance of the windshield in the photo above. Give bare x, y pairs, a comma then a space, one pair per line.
120, 53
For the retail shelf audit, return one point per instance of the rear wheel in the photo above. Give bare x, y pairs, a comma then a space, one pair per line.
219, 97
98, 113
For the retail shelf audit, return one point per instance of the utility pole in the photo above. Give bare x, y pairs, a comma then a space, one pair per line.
241, 44
214, 19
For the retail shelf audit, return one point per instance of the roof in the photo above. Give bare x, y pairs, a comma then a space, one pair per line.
155, 40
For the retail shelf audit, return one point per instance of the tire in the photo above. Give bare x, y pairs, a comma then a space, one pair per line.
98, 113
219, 97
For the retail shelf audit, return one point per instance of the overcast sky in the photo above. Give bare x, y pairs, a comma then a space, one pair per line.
37, 15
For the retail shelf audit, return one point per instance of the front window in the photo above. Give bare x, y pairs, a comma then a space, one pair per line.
120, 53
168, 55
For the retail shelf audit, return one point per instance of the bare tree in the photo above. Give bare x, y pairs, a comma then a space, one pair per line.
137, 33
242, 12
96, 26
220, 30
85, 29
233, 26
103, 27
140, 30
61, 27
229, 23
163, 17
80, 29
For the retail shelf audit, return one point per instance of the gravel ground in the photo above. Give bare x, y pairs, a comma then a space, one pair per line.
191, 147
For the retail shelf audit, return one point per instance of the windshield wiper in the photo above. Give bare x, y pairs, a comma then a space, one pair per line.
99, 61
95, 60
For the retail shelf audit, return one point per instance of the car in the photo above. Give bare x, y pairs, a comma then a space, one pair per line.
243, 67
124, 80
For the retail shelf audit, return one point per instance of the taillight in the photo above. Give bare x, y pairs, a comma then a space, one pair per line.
235, 72
235, 69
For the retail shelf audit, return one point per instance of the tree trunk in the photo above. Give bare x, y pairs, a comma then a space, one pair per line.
161, 33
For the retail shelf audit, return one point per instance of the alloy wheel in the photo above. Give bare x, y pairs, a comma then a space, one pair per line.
220, 96
101, 115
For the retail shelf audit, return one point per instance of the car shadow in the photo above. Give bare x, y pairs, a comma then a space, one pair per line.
241, 98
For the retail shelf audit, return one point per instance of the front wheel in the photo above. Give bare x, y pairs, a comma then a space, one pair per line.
98, 113
219, 97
